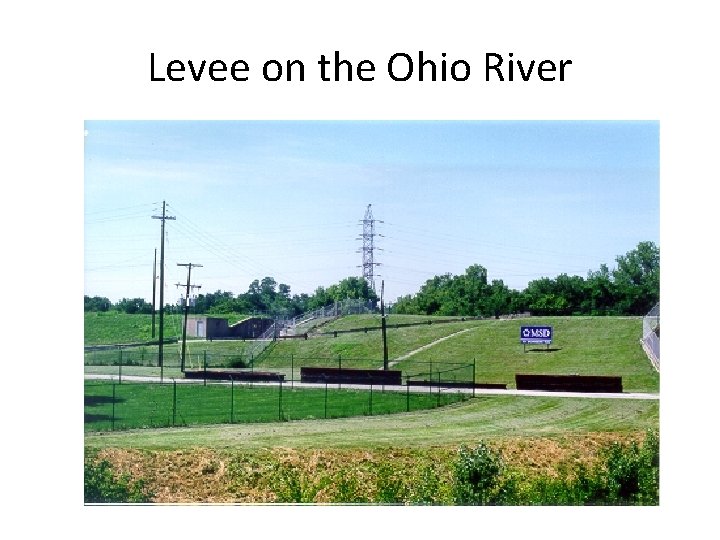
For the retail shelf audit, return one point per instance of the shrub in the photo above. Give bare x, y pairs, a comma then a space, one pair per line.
633, 472
102, 486
477, 476
625, 475
237, 362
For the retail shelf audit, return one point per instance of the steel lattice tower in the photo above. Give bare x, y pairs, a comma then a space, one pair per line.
368, 247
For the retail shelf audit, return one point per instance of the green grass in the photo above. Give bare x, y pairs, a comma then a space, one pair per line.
360, 349
479, 418
114, 328
197, 352
582, 345
140, 405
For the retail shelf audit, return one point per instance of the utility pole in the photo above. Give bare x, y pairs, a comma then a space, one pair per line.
154, 285
368, 247
383, 321
187, 309
162, 219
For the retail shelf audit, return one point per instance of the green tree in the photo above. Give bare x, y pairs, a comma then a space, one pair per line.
97, 303
637, 279
134, 305
600, 296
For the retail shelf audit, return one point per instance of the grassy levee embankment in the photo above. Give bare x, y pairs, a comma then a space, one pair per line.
581, 345
115, 328
486, 417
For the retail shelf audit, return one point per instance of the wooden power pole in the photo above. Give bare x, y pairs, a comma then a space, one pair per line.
162, 219
190, 266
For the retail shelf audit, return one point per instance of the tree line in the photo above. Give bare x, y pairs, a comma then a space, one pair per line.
265, 296
631, 288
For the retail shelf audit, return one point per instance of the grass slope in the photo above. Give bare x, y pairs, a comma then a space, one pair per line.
113, 327
479, 418
582, 345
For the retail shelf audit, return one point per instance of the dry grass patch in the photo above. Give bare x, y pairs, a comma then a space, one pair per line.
203, 475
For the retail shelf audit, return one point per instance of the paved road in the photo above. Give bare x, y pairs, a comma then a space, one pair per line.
477, 391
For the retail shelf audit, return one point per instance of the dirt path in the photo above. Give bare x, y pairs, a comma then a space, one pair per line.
424, 347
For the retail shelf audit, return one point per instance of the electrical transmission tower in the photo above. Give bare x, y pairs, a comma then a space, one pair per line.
368, 247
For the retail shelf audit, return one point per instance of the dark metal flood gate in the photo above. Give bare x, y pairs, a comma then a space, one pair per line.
350, 376
569, 383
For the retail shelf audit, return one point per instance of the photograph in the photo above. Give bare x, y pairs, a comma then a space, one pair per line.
445, 313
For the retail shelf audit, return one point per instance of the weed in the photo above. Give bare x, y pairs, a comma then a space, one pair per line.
102, 486
425, 487
348, 489
292, 485
390, 486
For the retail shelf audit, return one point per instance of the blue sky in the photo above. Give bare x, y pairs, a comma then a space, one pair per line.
285, 199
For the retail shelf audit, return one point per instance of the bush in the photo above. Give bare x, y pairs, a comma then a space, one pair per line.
477, 476
625, 475
633, 472
102, 486
238, 362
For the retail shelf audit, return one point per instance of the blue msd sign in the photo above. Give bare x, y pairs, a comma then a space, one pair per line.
536, 335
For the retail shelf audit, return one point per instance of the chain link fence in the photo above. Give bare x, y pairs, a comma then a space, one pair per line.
651, 336
117, 405
145, 361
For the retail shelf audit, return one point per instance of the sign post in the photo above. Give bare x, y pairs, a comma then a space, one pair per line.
536, 335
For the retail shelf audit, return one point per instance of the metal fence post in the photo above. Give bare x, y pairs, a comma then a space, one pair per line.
280, 402
473, 379
112, 421
232, 399
174, 402
407, 393
437, 396
120, 371
371, 399
326, 398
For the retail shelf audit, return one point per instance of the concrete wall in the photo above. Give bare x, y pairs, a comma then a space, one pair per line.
249, 328
217, 328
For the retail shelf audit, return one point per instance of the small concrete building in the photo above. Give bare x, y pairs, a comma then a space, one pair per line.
216, 328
